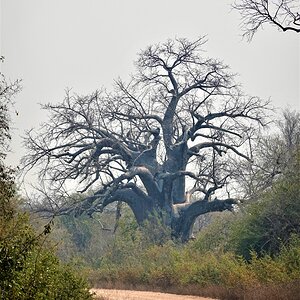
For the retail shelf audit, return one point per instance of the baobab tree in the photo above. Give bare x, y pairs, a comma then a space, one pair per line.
283, 14
163, 143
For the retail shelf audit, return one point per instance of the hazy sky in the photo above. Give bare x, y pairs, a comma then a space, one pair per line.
84, 44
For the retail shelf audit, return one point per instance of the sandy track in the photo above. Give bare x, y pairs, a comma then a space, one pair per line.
141, 295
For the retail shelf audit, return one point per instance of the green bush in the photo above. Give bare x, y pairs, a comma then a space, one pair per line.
27, 269
172, 266
268, 224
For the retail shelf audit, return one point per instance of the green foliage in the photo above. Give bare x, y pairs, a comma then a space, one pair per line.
270, 222
16, 241
28, 270
7, 191
215, 236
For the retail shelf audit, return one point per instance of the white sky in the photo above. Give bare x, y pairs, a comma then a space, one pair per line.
85, 44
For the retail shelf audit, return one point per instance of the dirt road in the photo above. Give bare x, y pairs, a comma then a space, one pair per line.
105, 294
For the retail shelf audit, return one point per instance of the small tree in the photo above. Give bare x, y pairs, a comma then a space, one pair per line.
181, 116
274, 155
283, 14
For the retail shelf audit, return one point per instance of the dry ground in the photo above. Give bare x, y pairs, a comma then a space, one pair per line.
107, 294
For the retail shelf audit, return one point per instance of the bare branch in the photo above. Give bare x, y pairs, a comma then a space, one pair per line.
283, 14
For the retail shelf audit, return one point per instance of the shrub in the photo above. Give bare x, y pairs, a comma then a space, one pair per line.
27, 269
268, 224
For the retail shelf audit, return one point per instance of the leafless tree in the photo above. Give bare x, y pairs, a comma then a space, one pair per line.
7, 92
274, 155
161, 143
283, 14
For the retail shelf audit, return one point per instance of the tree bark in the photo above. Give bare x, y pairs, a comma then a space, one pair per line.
185, 215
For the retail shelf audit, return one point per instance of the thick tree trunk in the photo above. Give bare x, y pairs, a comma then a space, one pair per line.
185, 215
181, 217
177, 161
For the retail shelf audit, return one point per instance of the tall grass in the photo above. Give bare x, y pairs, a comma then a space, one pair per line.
181, 269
